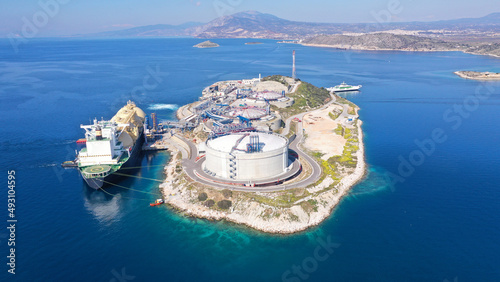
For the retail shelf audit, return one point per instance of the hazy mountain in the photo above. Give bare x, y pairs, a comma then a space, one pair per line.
490, 22
150, 30
384, 41
254, 24
491, 19
387, 41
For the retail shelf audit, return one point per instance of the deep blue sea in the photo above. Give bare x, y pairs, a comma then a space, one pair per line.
430, 214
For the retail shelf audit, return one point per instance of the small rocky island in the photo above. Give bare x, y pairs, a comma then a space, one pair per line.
206, 44
478, 75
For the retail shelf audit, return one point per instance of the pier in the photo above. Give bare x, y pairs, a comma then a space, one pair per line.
157, 145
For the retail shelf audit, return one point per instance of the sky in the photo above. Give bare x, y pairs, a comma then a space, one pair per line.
70, 17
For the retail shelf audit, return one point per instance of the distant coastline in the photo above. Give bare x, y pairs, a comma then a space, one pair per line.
371, 48
368, 48
398, 42
478, 75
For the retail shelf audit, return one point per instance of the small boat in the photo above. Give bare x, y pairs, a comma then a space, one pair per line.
157, 202
81, 141
69, 164
344, 87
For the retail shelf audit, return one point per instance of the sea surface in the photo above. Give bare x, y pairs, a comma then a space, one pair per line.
423, 213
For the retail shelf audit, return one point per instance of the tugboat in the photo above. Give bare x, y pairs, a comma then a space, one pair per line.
157, 202
343, 87
70, 164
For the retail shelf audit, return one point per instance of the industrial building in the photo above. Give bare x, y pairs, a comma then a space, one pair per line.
246, 156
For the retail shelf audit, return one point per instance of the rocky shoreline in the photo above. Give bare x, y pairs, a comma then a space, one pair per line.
478, 75
371, 48
403, 49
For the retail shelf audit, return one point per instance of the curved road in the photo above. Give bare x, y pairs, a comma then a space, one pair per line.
190, 165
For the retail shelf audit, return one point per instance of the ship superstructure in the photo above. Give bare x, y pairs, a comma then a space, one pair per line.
343, 87
110, 145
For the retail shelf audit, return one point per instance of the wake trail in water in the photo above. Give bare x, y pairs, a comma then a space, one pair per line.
157, 107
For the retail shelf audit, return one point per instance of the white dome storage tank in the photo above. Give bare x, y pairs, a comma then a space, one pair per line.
247, 156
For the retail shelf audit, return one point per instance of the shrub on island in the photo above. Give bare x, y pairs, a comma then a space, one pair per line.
209, 203
227, 193
202, 197
224, 204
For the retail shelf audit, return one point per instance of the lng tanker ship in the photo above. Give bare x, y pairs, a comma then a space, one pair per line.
111, 145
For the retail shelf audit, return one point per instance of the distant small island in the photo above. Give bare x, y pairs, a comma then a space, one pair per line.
206, 44
478, 75
253, 43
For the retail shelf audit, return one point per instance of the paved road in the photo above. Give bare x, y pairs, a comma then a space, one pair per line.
193, 168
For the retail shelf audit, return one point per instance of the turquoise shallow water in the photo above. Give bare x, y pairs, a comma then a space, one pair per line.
441, 223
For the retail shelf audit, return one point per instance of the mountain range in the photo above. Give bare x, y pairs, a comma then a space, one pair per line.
252, 24
400, 42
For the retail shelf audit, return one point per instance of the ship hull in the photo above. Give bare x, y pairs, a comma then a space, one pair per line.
354, 88
102, 182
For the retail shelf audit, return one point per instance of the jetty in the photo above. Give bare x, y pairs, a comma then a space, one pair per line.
158, 145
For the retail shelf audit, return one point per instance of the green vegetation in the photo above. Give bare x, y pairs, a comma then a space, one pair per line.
277, 78
351, 147
178, 168
227, 193
340, 130
269, 213
209, 203
334, 165
293, 129
202, 135
334, 115
202, 197
312, 95
283, 199
306, 97
224, 204
309, 205
317, 155
291, 196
